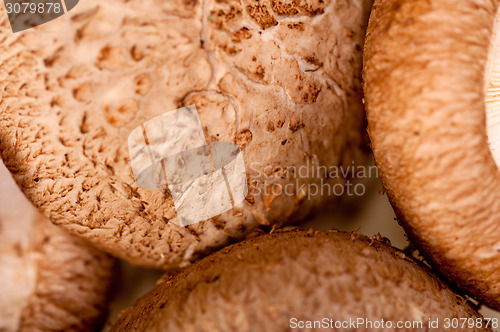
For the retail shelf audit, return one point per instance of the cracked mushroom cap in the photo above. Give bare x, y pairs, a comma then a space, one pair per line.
279, 79
431, 73
262, 283
49, 281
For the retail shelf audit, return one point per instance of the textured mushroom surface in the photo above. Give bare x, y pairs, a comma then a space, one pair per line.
492, 99
49, 281
262, 283
280, 79
426, 70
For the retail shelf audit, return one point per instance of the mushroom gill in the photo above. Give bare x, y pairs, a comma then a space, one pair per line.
492, 99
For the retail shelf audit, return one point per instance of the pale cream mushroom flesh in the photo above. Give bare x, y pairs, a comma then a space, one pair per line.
493, 93
18, 272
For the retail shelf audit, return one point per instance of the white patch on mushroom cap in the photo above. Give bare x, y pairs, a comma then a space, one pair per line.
493, 93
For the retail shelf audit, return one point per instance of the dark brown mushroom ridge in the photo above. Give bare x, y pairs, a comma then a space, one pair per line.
262, 283
424, 81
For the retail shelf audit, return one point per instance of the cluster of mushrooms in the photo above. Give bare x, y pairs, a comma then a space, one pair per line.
292, 84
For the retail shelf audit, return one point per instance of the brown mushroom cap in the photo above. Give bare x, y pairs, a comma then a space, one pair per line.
279, 79
49, 280
262, 283
424, 79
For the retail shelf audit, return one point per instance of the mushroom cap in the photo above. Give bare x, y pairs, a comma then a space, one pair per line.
49, 280
424, 79
281, 80
262, 283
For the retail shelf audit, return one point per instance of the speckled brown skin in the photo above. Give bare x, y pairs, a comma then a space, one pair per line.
261, 283
49, 280
279, 79
424, 82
